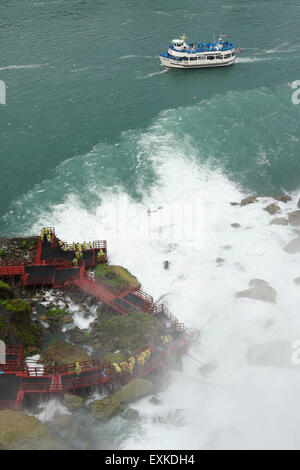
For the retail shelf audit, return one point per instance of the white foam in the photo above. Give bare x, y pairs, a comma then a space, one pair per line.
27, 66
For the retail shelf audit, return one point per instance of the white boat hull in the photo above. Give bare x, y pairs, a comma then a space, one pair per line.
188, 64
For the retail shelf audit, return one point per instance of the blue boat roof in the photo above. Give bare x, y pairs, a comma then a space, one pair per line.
204, 47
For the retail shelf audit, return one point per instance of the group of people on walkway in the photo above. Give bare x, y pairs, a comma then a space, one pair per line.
46, 233
129, 365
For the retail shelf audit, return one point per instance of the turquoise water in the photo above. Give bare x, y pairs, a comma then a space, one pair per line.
84, 76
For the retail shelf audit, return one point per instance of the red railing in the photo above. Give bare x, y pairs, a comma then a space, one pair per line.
176, 325
145, 296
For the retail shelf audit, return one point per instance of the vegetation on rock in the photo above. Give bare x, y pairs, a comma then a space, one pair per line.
17, 306
127, 333
134, 390
117, 277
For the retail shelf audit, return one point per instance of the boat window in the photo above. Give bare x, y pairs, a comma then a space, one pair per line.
226, 56
201, 57
185, 58
193, 58
211, 57
233, 54
219, 57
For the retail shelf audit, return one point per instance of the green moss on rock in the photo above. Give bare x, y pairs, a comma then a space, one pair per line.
117, 277
108, 407
5, 291
111, 357
17, 306
19, 325
3, 328
73, 402
127, 333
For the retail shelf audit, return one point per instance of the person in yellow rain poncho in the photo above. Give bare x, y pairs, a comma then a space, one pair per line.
141, 359
124, 366
91, 245
77, 369
100, 255
117, 367
131, 363
147, 354
84, 246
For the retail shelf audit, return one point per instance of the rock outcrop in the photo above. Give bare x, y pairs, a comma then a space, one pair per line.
259, 290
272, 209
279, 221
19, 431
294, 218
60, 352
293, 246
134, 390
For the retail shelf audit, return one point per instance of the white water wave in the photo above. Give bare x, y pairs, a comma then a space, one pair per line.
27, 66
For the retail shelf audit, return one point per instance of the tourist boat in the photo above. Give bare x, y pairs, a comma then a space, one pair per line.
181, 55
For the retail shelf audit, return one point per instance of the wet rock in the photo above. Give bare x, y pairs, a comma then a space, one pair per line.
131, 415
259, 290
272, 209
279, 221
155, 401
19, 431
297, 281
220, 260
294, 218
41, 298
284, 198
41, 309
298, 204
235, 225
273, 354
63, 426
248, 200
293, 246
166, 264
234, 203
5, 291
111, 357
108, 407
239, 266
73, 402
227, 247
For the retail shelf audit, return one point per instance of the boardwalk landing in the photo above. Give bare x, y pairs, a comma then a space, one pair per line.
53, 267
